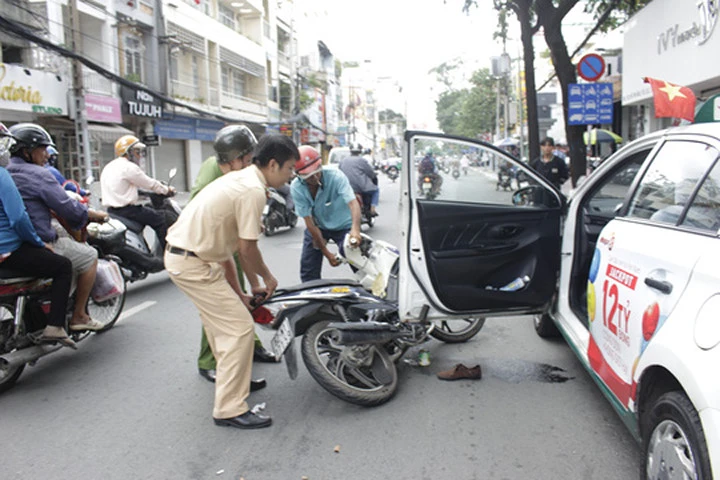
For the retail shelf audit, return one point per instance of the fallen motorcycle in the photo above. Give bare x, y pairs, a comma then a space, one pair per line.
352, 333
25, 304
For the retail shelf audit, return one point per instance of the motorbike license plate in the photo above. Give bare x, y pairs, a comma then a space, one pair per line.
427, 187
282, 339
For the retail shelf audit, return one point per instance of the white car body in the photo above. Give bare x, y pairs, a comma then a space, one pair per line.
648, 332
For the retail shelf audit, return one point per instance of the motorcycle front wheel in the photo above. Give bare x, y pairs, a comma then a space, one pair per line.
361, 374
107, 312
8, 376
457, 331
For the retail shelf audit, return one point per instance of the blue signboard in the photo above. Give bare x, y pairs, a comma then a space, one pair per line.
188, 128
590, 103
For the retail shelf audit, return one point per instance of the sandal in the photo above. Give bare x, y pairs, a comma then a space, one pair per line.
92, 325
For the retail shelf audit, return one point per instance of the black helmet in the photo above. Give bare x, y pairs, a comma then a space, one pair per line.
232, 142
30, 136
355, 148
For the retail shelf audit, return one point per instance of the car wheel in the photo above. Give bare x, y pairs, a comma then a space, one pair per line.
544, 326
673, 440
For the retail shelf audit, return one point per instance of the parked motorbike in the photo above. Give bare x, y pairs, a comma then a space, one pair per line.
352, 334
25, 304
276, 213
138, 256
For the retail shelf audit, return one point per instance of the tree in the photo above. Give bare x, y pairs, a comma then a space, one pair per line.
548, 15
467, 112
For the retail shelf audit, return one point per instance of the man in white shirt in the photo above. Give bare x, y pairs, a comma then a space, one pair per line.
119, 183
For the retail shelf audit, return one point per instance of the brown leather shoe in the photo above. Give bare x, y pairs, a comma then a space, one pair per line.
460, 371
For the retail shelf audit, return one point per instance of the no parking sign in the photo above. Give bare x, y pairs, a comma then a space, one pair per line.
591, 67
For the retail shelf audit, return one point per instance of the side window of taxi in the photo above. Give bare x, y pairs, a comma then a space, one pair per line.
605, 201
668, 186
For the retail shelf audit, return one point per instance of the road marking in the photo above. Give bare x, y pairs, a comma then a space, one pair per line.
137, 308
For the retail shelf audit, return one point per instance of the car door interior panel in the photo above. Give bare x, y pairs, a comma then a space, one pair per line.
474, 251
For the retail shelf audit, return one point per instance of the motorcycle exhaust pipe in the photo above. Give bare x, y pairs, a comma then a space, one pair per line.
363, 334
28, 355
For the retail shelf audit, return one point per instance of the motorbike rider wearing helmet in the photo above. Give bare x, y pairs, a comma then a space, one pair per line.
327, 203
52, 166
234, 146
45, 198
428, 167
119, 183
23, 251
362, 177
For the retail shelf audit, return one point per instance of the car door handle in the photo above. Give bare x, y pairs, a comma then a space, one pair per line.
661, 285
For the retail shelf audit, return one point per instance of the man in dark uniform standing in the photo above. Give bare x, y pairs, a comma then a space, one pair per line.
549, 165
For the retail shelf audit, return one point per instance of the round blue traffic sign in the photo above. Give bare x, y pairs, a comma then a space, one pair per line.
591, 67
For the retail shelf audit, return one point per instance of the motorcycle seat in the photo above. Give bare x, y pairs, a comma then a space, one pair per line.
318, 284
8, 276
130, 224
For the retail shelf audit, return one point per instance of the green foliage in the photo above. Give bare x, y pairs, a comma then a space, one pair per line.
470, 111
623, 10
390, 116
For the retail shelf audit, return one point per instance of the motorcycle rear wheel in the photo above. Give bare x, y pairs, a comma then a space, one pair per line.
457, 331
347, 371
269, 227
8, 376
107, 312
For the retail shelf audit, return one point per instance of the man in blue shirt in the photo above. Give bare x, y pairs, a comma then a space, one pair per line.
325, 199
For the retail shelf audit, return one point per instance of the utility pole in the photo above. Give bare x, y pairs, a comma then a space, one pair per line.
81, 127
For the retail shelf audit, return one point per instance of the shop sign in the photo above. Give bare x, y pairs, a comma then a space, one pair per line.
100, 108
311, 135
698, 31
188, 128
28, 90
140, 103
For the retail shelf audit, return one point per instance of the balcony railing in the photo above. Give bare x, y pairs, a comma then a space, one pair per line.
96, 83
244, 104
186, 91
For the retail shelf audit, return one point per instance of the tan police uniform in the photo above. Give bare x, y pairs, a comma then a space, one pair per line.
206, 233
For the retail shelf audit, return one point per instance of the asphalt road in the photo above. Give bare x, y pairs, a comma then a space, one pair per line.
129, 404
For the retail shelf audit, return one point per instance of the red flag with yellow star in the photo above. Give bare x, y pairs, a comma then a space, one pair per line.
672, 100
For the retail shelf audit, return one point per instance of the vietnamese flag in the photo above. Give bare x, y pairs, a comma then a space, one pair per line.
672, 100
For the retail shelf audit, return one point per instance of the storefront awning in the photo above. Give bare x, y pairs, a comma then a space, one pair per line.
107, 133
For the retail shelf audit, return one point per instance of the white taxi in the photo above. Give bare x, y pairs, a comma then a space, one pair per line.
627, 270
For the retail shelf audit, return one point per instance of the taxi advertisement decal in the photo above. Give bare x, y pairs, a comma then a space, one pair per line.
613, 347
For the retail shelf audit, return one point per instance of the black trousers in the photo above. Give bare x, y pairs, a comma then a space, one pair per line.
144, 216
42, 263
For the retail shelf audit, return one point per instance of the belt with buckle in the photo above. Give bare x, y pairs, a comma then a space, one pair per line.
180, 251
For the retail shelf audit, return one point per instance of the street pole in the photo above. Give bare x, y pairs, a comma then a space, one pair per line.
81, 127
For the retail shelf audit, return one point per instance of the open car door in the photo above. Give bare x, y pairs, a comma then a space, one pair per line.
485, 242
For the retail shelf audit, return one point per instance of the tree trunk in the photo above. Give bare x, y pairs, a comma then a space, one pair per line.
565, 70
526, 33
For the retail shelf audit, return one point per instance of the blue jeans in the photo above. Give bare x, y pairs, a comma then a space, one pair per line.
311, 259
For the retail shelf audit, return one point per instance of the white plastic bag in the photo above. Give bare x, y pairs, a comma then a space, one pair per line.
108, 282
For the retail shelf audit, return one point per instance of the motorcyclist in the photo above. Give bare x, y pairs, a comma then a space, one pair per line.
45, 199
119, 183
327, 203
428, 167
362, 177
22, 250
52, 166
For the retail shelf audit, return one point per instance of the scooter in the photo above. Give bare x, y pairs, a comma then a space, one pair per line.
456, 173
137, 255
352, 334
366, 216
276, 213
429, 186
25, 304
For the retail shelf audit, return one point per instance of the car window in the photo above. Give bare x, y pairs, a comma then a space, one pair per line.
492, 177
337, 154
606, 199
670, 181
704, 210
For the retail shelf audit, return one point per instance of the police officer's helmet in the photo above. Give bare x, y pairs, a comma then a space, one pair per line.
233, 141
